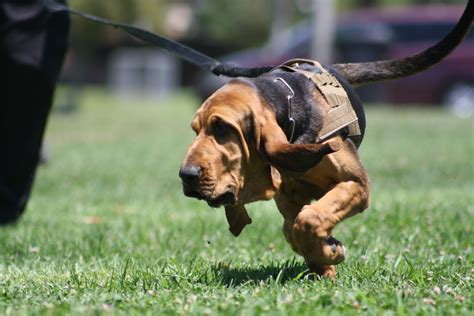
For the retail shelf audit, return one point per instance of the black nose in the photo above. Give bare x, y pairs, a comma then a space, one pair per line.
189, 173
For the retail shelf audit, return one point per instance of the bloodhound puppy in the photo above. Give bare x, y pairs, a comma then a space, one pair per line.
253, 144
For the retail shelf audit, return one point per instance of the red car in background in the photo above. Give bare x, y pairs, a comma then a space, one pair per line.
408, 31
375, 34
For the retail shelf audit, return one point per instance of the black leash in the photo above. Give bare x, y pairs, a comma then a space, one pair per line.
175, 48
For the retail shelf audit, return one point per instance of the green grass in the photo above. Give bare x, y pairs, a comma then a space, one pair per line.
108, 229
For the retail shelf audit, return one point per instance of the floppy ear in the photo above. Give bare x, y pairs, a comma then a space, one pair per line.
237, 217
291, 157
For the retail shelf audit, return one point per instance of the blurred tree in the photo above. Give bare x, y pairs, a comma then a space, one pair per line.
230, 23
233, 24
146, 13
368, 3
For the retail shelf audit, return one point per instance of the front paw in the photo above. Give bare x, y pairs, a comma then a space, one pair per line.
333, 250
323, 271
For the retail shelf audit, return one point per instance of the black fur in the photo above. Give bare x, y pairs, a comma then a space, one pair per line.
307, 114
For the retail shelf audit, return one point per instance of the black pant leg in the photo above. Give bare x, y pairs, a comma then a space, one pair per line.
27, 97
33, 42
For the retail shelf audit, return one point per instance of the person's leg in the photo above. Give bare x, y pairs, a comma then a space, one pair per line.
27, 96
32, 49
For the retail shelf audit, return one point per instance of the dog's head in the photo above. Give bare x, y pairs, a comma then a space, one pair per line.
237, 142
222, 165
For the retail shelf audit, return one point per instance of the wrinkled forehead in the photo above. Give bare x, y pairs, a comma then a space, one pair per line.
233, 103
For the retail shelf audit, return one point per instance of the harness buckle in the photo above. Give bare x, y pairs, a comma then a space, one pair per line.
289, 98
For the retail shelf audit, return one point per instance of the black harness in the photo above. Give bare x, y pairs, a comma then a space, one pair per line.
342, 117
289, 90
355, 102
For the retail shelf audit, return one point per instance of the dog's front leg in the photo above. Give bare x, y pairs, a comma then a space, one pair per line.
312, 226
290, 199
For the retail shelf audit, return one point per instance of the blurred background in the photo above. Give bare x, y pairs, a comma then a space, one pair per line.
108, 229
252, 33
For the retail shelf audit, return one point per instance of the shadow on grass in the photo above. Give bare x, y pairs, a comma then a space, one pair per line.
274, 272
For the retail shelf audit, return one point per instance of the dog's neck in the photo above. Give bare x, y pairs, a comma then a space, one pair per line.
275, 87
303, 124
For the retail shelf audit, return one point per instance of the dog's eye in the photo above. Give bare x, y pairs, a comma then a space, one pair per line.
221, 131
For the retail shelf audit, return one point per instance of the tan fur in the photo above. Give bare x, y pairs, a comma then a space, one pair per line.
315, 186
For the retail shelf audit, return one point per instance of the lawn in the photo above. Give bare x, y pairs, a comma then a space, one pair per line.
108, 230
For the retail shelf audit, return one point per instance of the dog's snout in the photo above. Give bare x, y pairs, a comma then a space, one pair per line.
189, 173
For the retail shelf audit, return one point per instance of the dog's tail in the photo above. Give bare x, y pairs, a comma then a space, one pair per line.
363, 73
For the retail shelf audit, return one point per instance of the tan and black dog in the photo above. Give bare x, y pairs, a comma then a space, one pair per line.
258, 139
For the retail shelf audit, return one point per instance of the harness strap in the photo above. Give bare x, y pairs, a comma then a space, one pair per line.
341, 114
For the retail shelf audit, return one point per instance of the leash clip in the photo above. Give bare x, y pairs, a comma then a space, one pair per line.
289, 98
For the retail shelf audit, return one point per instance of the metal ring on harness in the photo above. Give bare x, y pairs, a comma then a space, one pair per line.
289, 97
